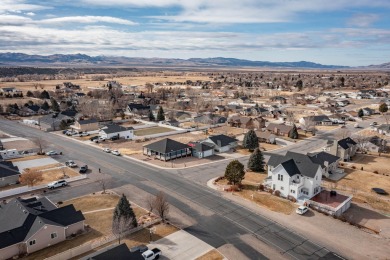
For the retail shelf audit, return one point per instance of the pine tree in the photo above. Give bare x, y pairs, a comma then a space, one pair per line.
360, 113
54, 105
251, 141
234, 172
160, 114
45, 106
44, 95
383, 108
29, 94
256, 161
151, 116
123, 210
293, 134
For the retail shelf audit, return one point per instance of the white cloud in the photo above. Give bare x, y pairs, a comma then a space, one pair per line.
86, 20
19, 6
7, 19
30, 14
363, 20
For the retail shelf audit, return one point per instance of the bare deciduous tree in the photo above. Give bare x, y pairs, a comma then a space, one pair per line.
342, 133
150, 200
104, 182
40, 143
31, 177
361, 141
149, 87
161, 205
120, 226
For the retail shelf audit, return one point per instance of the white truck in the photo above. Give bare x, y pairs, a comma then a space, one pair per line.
155, 253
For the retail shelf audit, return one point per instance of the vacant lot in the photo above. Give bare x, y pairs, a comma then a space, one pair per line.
27, 158
372, 163
211, 255
152, 131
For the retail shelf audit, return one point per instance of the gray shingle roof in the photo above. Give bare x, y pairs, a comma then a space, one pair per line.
304, 164
222, 140
7, 169
117, 252
22, 217
115, 129
166, 146
346, 143
89, 121
322, 157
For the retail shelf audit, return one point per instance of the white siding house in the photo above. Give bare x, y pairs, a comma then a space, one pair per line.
116, 130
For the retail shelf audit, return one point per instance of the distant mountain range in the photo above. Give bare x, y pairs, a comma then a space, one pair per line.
82, 60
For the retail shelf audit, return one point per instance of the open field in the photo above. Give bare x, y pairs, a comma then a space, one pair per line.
86, 83
94, 202
371, 163
152, 131
57, 174
254, 177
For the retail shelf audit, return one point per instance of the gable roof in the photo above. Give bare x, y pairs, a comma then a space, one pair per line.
89, 121
322, 157
115, 129
346, 143
20, 218
166, 146
7, 169
201, 147
117, 252
291, 167
222, 140
318, 118
282, 127
304, 164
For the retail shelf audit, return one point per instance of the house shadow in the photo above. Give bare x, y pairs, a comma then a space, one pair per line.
308, 214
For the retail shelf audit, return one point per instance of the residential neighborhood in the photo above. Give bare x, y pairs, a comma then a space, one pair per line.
186, 156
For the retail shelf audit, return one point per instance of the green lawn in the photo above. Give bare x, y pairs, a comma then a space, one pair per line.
152, 130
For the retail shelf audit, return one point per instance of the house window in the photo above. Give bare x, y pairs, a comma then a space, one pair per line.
316, 177
292, 191
53, 235
32, 242
281, 187
280, 177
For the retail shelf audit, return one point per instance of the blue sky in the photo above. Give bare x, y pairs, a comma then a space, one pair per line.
342, 32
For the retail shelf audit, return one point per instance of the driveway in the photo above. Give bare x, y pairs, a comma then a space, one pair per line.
181, 245
34, 163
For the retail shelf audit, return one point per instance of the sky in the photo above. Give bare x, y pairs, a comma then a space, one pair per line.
337, 32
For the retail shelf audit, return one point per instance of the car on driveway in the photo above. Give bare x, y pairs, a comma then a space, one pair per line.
83, 169
56, 184
84, 134
115, 137
107, 150
373, 124
140, 248
301, 210
115, 152
52, 153
93, 138
71, 164
99, 139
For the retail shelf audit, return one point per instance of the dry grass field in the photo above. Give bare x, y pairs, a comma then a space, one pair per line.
87, 83
152, 131
28, 158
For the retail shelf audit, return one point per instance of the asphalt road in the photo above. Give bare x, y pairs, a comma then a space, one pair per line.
228, 223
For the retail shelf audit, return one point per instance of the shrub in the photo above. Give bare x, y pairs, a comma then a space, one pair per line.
277, 193
361, 169
271, 191
353, 167
341, 164
60, 202
261, 187
376, 172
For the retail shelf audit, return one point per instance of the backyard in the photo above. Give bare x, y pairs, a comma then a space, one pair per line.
152, 131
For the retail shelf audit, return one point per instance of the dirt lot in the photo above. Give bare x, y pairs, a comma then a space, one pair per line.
20, 145
152, 131
371, 162
55, 174
28, 158
211, 255
227, 130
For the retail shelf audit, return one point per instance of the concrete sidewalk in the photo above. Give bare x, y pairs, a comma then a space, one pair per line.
181, 245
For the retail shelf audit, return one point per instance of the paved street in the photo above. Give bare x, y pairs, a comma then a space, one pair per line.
227, 223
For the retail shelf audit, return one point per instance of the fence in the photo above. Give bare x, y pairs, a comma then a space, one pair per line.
89, 246
26, 189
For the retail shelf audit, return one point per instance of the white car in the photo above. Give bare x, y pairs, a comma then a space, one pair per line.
100, 139
115, 152
84, 134
302, 210
56, 184
107, 150
373, 124
52, 153
71, 164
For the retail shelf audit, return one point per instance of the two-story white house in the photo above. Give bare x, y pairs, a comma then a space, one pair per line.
294, 175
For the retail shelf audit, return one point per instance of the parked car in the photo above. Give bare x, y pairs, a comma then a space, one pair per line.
93, 138
84, 134
68, 133
52, 153
155, 253
71, 164
100, 139
302, 210
56, 184
356, 125
115, 152
65, 131
374, 124
115, 137
140, 248
83, 169
107, 150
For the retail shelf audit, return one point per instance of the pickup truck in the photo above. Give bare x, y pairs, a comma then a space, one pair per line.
155, 253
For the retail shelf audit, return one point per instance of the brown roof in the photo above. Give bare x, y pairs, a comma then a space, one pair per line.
282, 127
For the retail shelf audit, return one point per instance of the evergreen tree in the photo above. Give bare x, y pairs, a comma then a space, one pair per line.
383, 108
293, 134
45, 105
151, 116
299, 85
45, 95
54, 105
256, 161
234, 172
360, 113
251, 141
160, 114
63, 125
30, 94
123, 210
